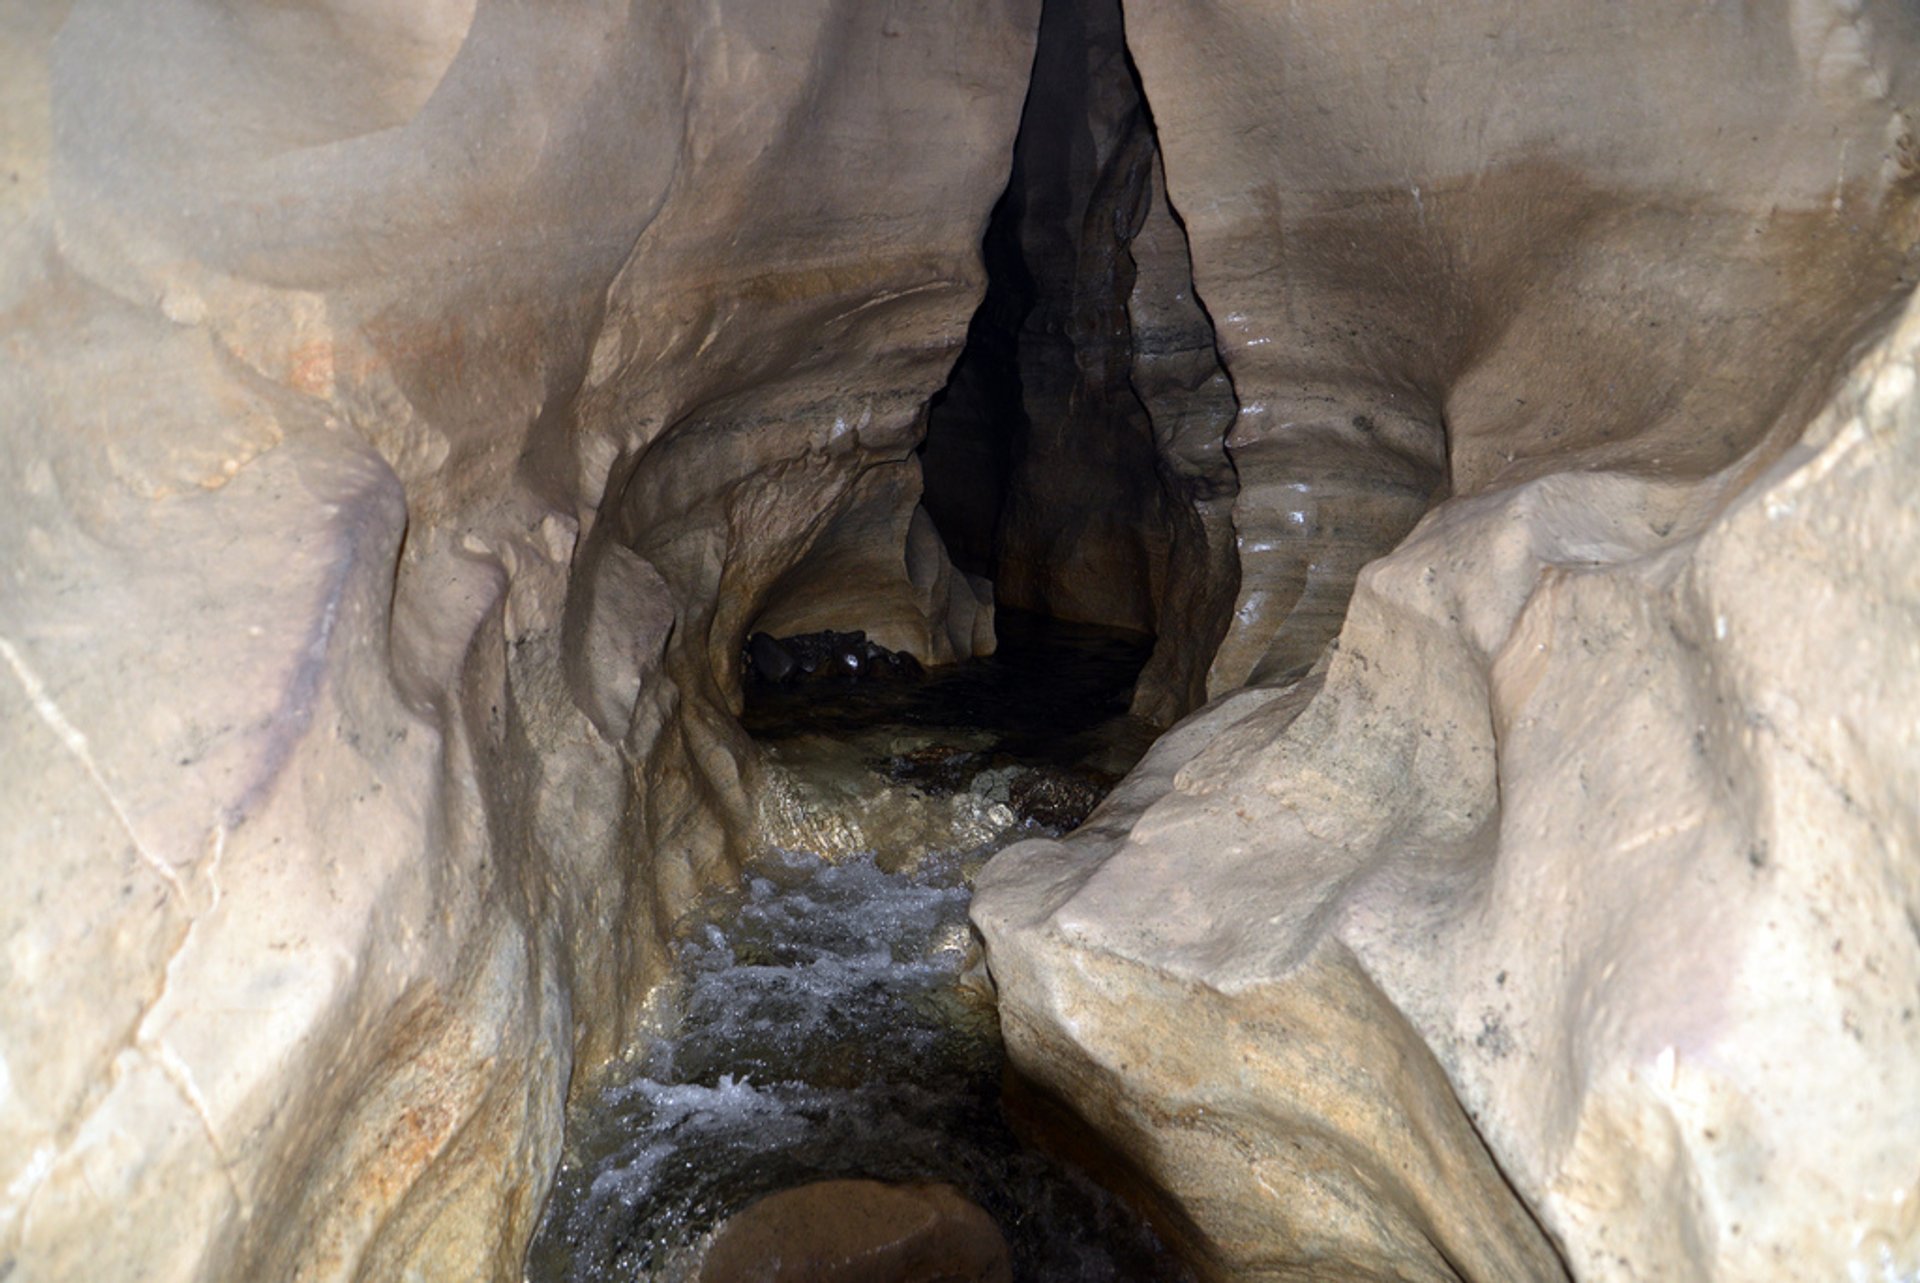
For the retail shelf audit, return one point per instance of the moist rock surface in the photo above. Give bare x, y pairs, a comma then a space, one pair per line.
407, 416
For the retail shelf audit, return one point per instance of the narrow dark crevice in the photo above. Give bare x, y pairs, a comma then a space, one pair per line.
1076, 456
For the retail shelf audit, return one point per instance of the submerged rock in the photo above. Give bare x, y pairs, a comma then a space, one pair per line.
937, 769
1055, 799
848, 656
857, 1231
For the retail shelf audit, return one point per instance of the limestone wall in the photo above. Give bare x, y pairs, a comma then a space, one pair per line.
407, 409
1561, 920
1445, 246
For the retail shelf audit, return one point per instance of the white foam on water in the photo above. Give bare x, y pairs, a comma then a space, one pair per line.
823, 1031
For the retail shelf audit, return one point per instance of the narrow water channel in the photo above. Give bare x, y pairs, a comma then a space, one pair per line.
829, 1019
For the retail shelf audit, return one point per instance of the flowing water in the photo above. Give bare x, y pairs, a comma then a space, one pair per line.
829, 1019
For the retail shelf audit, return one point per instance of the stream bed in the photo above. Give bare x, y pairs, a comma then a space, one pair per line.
829, 1019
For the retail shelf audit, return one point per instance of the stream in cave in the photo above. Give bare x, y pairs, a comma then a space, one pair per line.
829, 1018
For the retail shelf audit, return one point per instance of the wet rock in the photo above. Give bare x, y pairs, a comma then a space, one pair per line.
859, 1231
1055, 799
937, 769
1052, 797
996, 784
820, 793
847, 656
770, 661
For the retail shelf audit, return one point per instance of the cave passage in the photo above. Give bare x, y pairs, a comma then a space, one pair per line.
830, 1020
1039, 462
1053, 693
1477, 440
1074, 466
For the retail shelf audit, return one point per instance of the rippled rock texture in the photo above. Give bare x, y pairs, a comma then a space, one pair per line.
1449, 246
410, 411
1561, 920
408, 415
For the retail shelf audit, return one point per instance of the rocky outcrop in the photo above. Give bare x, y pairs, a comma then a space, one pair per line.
1561, 920
1584, 851
407, 418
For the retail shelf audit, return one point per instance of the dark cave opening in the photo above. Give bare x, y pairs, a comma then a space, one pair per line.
1067, 459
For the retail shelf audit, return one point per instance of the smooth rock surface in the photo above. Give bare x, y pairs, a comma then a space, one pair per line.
1446, 246
1594, 865
405, 414
881, 564
409, 414
848, 1231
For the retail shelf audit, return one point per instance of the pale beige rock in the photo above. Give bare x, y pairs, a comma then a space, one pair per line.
1580, 899
1607, 821
1451, 244
400, 410
407, 414
859, 1231
1298, 1126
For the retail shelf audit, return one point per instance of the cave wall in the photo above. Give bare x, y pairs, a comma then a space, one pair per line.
409, 413
406, 414
1448, 247
1559, 920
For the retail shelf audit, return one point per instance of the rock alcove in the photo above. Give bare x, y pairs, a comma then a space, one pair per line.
410, 415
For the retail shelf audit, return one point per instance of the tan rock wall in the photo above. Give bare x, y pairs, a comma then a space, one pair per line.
1446, 246
404, 416
1594, 829
1562, 919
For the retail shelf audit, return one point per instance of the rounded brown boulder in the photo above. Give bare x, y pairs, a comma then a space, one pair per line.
859, 1231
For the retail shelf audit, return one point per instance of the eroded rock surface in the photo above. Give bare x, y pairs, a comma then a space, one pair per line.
1561, 919
1447, 246
406, 417
1599, 847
